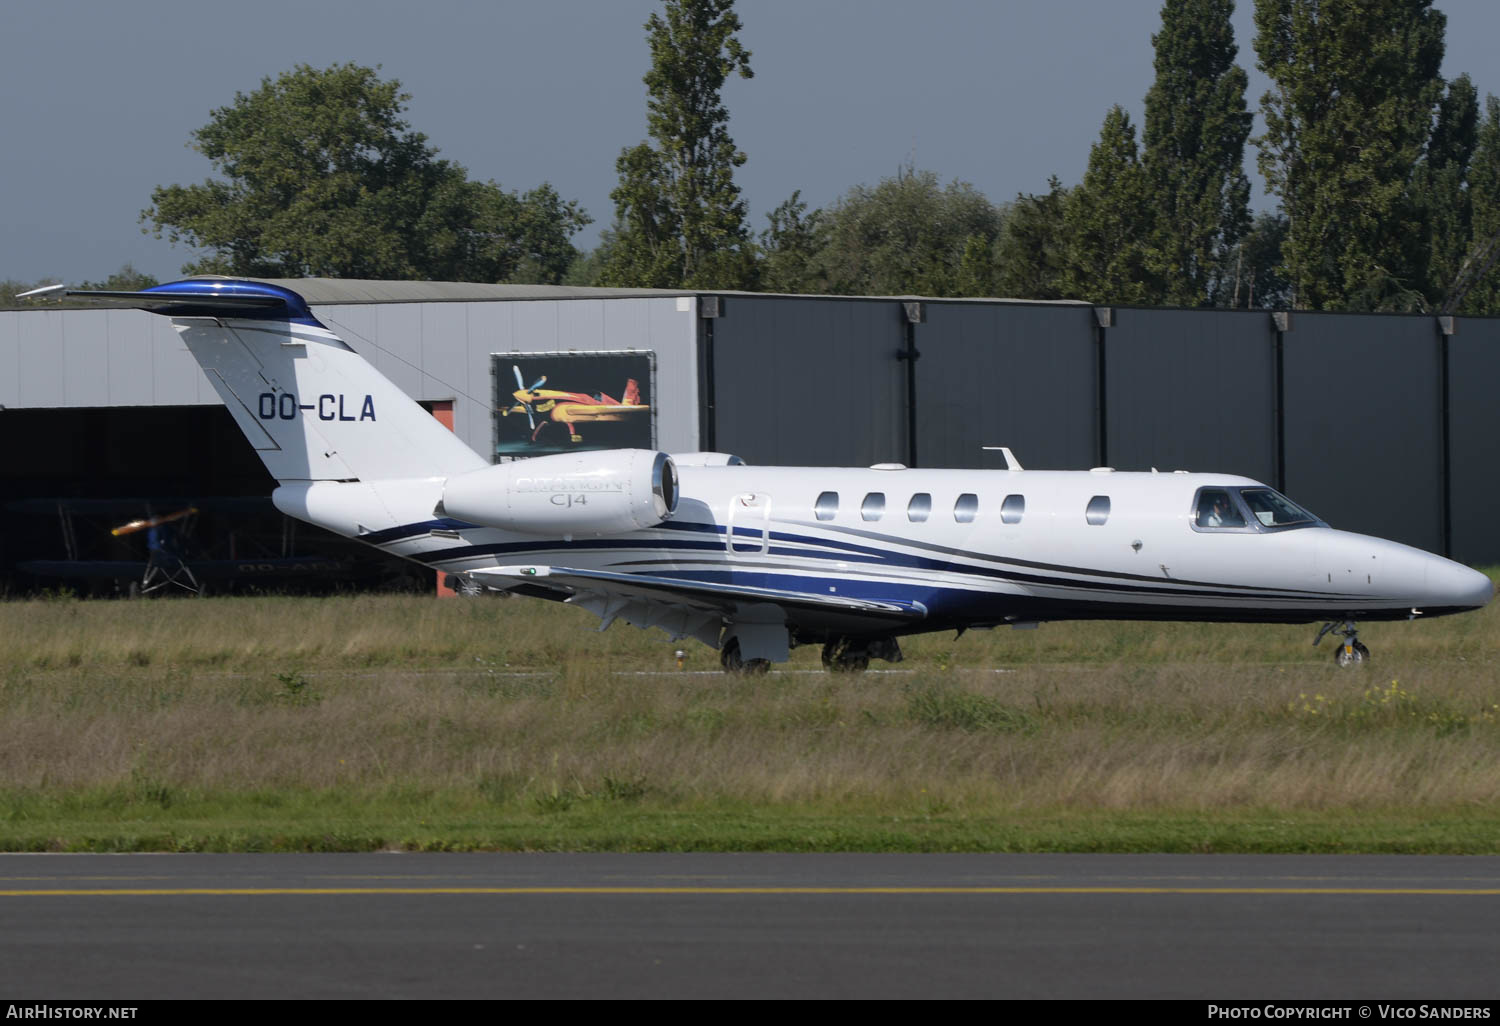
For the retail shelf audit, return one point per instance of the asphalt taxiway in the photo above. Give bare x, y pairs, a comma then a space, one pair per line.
497, 925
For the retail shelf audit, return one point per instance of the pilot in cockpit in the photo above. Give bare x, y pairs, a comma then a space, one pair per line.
1217, 511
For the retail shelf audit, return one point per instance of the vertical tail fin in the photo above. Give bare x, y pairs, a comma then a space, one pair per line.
314, 409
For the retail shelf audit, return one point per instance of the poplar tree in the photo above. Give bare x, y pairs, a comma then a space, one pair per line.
1354, 88
1195, 132
1479, 273
1110, 222
679, 218
1441, 188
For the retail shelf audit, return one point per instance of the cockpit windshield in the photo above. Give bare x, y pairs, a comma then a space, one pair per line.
1273, 509
1247, 511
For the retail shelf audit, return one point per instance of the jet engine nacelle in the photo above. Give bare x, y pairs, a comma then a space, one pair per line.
605, 492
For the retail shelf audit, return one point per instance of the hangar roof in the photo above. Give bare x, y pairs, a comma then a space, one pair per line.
340, 291
328, 291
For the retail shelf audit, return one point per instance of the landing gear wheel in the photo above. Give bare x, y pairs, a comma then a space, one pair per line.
840, 657
1350, 651
730, 659
1351, 655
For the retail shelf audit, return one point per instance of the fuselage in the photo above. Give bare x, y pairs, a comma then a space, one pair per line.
971, 547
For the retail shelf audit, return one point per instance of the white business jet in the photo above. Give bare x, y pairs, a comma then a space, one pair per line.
757, 560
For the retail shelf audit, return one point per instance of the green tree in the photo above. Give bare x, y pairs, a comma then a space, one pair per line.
1354, 88
1478, 276
587, 268
790, 249
1441, 188
1253, 274
322, 176
1032, 253
126, 279
1109, 219
976, 267
679, 218
907, 235
1194, 149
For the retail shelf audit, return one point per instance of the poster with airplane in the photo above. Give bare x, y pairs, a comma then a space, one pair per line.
548, 403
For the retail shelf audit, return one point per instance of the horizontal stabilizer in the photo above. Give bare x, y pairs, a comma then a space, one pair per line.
151, 300
194, 297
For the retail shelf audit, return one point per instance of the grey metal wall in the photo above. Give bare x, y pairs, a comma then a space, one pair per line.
813, 382
1018, 376
1364, 423
86, 358
1474, 439
1357, 433
1191, 390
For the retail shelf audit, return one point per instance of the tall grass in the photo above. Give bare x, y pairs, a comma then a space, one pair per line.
474, 715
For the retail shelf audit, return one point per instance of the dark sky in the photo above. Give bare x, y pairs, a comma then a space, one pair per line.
100, 98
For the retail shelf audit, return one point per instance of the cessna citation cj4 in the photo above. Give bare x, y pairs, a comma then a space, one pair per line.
754, 561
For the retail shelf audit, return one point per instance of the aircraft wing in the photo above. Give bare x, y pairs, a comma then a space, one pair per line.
685, 607
613, 412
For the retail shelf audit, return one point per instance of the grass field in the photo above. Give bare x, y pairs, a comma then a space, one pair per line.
406, 722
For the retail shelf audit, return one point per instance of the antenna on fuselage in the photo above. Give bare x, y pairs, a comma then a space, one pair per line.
1011, 463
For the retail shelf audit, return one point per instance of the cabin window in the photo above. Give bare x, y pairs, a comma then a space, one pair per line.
1098, 510
873, 508
1217, 508
919, 507
826, 506
1013, 509
966, 508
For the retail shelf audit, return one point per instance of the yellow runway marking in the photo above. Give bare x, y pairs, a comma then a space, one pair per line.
173, 892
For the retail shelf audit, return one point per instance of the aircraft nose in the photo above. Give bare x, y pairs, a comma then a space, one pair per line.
1453, 584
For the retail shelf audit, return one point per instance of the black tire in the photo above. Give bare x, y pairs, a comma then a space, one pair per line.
839, 657
1354, 655
730, 659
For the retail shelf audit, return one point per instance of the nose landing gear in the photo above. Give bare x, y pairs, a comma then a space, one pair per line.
1351, 652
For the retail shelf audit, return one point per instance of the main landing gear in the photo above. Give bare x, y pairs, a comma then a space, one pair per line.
844, 656
1351, 652
840, 655
853, 655
733, 662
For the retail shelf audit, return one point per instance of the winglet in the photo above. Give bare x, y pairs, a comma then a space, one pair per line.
45, 290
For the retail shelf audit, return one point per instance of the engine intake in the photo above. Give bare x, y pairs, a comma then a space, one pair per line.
610, 492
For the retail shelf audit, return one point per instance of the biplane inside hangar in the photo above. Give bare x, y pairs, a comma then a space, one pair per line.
153, 546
